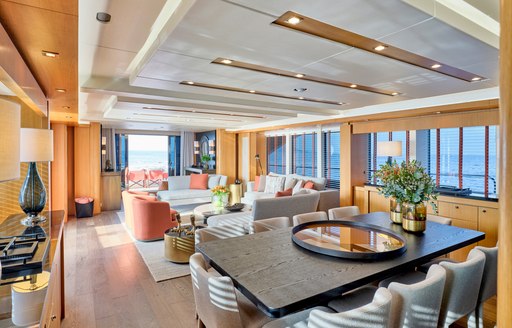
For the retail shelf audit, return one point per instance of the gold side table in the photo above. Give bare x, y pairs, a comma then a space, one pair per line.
178, 246
235, 193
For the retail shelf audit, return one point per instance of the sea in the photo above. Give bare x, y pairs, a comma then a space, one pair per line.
150, 160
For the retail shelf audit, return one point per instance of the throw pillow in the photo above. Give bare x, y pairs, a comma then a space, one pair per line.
298, 186
290, 183
213, 180
263, 180
199, 181
274, 184
284, 193
256, 182
309, 185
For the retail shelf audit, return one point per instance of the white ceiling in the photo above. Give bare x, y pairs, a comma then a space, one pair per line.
130, 68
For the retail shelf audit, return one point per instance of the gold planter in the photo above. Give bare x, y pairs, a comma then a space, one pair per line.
395, 211
414, 217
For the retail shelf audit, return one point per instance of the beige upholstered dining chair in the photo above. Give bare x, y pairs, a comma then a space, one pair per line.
343, 212
220, 232
200, 275
308, 217
270, 224
488, 287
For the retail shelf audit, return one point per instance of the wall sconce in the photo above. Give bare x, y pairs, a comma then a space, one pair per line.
211, 146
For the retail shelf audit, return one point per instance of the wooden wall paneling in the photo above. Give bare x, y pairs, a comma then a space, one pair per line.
95, 164
261, 149
71, 169
59, 169
353, 163
505, 225
226, 152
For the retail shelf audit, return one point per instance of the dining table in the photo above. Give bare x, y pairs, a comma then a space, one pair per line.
281, 277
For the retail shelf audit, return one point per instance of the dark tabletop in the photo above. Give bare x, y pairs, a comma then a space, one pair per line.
281, 277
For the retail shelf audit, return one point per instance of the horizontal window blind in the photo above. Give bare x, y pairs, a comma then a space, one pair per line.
276, 154
331, 158
304, 154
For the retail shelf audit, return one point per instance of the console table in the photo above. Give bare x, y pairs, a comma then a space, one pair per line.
198, 170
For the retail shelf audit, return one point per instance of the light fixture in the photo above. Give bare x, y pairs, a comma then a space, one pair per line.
36, 145
103, 141
211, 147
436, 66
190, 82
252, 91
389, 149
353, 86
61, 90
380, 47
227, 61
10, 137
258, 161
301, 98
437, 112
294, 20
50, 54
394, 94
103, 17
476, 78
299, 75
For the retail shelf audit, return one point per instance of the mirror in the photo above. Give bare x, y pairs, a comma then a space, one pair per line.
203, 146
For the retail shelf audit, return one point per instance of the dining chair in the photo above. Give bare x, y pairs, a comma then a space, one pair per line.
270, 224
343, 212
297, 319
488, 287
220, 232
199, 276
439, 219
308, 217
417, 302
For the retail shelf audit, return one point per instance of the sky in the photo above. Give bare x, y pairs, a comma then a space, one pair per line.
147, 142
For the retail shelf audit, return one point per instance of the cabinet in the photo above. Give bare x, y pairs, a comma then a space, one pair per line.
110, 191
488, 220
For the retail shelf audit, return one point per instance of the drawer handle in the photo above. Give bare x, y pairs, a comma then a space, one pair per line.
484, 211
53, 317
456, 207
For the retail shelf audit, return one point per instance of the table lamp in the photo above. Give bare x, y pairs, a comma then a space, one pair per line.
389, 149
36, 145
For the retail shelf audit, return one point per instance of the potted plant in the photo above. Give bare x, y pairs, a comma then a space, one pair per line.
220, 196
388, 174
204, 160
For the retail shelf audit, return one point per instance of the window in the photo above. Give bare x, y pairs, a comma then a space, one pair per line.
304, 154
374, 161
276, 154
331, 159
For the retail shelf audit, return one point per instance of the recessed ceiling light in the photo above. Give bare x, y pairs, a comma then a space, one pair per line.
353, 85
61, 90
341, 103
438, 112
299, 75
436, 66
252, 91
103, 17
294, 20
380, 47
301, 98
226, 61
50, 54
394, 94
190, 82
476, 78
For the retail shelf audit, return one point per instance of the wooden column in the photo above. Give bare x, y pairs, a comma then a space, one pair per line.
353, 163
226, 150
505, 225
59, 169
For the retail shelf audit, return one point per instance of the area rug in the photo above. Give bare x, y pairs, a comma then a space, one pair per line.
153, 255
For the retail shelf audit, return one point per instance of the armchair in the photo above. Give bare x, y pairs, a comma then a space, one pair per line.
152, 218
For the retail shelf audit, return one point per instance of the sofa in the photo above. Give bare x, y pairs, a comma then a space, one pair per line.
304, 202
329, 198
179, 192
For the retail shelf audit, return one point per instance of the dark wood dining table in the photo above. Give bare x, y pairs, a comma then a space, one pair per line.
281, 277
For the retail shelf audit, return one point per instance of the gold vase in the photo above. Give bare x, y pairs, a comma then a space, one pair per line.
395, 211
414, 217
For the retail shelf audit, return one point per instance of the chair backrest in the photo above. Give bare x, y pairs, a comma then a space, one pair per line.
270, 224
219, 232
439, 219
285, 206
137, 175
156, 174
490, 275
200, 275
463, 282
308, 217
373, 315
128, 197
343, 212
224, 303
418, 305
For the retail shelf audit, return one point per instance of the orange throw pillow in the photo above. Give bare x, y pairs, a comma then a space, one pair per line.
309, 185
287, 192
199, 181
256, 182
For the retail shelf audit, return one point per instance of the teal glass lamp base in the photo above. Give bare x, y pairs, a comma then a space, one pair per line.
32, 197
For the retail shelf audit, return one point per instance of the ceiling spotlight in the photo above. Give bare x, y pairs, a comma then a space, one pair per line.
103, 17
436, 66
353, 85
190, 82
380, 47
437, 112
476, 78
394, 94
252, 91
299, 75
226, 61
294, 20
341, 103
300, 89
301, 98
61, 90
50, 54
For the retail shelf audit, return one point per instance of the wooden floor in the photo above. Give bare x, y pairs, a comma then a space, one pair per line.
108, 284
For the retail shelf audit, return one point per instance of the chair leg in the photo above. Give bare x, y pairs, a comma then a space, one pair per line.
200, 324
476, 318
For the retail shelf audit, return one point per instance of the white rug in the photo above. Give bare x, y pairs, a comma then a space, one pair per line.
152, 253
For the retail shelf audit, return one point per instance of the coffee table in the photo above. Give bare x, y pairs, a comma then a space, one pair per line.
178, 247
203, 212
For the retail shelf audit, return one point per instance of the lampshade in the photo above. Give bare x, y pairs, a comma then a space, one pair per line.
36, 145
389, 148
9, 140
196, 144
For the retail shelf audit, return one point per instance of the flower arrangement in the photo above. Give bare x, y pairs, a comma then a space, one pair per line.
408, 183
220, 190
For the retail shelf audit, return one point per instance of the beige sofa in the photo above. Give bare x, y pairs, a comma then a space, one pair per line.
179, 192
